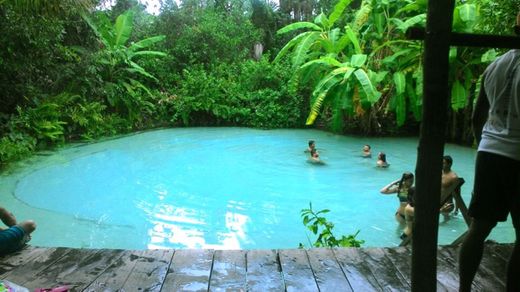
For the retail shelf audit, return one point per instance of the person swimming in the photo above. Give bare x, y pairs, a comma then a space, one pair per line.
312, 146
381, 160
366, 151
315, 157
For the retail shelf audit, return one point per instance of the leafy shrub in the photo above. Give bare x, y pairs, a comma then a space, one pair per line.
320, 226
15, 147
43, 122
246, 94
208, 37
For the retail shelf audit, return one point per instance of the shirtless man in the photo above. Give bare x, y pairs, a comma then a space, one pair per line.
448, 183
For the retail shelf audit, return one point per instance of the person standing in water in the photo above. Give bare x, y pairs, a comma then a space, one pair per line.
402, 187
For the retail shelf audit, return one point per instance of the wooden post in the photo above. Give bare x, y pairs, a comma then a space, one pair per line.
431, 145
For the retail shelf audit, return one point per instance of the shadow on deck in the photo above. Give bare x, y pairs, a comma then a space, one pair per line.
342, 269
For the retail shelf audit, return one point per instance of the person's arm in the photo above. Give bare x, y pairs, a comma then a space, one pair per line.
480, 113
390, 188
7, 217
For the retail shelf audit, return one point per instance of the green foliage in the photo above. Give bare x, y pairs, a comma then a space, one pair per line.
207, 37
117, 64
497, 16
15, 147
42, 122
320, 226
249, 94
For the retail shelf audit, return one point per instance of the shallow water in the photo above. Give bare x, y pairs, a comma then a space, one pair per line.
224, 188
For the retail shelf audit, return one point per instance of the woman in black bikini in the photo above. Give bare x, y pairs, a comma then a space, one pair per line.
401, 186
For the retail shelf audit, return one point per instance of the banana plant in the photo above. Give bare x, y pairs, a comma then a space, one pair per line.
117, 59
337, 56
466, 63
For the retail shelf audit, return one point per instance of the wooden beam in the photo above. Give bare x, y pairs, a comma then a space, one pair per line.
471, 40
431, 145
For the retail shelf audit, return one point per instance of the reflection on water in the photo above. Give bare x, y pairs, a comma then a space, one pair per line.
180, 227
221, 188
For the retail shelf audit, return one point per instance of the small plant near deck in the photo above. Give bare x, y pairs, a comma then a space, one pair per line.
321, 227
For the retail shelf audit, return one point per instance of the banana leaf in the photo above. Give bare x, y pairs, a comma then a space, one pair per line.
322, 20
147, 53
418, 20
367, 87
289, 45
353, 38
358, 60
146, 42
299, 25
123, 28
458, 96
338, 11
301, 50
399, 82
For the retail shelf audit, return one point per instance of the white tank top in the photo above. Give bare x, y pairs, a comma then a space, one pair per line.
501, 133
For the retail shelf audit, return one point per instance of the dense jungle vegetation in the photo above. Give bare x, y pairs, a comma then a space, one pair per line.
84, 69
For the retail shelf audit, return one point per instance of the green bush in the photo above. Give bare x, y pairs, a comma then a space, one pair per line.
15, 147
321, 227
250, 94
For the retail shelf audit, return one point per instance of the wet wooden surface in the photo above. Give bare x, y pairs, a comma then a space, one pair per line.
339, 269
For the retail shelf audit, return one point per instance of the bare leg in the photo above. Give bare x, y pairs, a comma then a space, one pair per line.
409, 213
28, 226
513, 267
471, 251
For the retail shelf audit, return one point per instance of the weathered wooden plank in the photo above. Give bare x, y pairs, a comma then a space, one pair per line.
491, 273
401, 259
189, 270
36, 260
386, 274
229, 271
77, 269
263, 271
115, 276
358, 273
327, 271
149, 271
447, 271
296, 270
10, 261
503, 250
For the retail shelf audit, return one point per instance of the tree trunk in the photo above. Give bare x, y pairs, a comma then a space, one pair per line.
431, 145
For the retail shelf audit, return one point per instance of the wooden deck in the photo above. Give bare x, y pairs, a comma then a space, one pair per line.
343, 269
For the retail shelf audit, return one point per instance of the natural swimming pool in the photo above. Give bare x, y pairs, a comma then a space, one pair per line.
223, 188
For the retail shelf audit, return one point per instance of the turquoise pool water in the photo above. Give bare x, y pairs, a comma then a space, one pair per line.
223, 188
